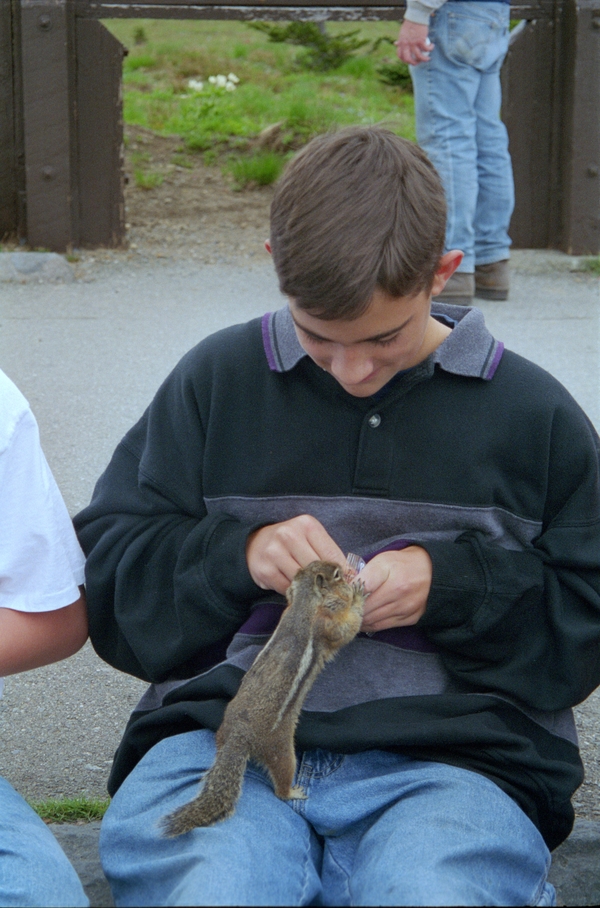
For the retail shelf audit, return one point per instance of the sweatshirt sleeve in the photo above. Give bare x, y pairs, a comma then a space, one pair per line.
527, 623
420, 11
164, 579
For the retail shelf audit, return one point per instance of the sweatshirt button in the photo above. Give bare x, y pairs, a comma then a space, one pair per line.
374, 420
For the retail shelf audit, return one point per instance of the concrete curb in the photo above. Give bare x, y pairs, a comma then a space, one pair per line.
575, 869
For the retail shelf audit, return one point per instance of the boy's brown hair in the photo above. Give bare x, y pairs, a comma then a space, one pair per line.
354, 211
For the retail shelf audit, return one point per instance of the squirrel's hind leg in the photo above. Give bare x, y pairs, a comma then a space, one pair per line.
280, 762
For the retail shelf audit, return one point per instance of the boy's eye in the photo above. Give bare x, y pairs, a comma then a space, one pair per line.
387, 341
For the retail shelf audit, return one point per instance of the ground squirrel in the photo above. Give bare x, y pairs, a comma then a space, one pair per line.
324, 613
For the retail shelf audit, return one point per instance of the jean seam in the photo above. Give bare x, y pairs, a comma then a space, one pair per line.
344, 873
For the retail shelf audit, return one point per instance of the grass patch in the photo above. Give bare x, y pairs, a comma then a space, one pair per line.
590, 264
147, 179
259, 169
71, 810
271, 87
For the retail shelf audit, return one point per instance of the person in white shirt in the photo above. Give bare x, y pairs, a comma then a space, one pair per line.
42, 619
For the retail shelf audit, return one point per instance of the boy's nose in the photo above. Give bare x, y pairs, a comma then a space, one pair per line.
350, 366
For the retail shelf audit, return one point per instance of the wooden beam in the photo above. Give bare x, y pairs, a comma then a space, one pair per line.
274, 9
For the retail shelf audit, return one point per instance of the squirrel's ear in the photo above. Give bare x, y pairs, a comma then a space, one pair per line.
320, 580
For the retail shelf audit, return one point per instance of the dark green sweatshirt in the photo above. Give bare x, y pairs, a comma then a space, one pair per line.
477, 455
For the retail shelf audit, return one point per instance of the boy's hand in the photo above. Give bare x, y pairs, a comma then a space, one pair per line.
413, 45
398, 585
276, 553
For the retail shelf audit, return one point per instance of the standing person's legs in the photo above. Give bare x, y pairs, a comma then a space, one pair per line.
445, 89
458, 125
404, 832
266, 854
495, 201
34, 870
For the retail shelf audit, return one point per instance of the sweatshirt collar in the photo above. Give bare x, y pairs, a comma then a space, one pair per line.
470, 350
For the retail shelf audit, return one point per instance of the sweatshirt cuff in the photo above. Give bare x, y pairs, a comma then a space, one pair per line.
418, 12
225, 566
458, 587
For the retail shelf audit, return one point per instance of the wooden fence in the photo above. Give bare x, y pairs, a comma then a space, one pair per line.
61, 129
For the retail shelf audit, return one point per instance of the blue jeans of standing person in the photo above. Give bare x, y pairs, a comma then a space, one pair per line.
457, 107
377, 828
34, 869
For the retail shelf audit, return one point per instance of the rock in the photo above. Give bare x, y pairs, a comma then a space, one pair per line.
270, 139
575, 871
80, 844
34, 267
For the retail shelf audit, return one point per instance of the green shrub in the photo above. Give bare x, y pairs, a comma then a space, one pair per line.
322, 50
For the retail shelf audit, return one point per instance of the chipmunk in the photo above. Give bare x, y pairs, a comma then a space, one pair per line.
324, 613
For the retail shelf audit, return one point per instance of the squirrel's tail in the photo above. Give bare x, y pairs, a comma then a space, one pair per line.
216, 799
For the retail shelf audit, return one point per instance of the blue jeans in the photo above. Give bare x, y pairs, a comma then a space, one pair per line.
457, 106
34, 870
377, 828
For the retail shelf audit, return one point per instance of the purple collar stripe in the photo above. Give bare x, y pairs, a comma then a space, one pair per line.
269, 341
494, 362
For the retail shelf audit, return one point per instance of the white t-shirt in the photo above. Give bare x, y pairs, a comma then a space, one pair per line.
41, 562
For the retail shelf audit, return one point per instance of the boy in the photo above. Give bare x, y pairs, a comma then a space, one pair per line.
438, 750
42, 620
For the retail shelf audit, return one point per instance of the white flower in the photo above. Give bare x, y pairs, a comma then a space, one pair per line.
227, 82
195, 84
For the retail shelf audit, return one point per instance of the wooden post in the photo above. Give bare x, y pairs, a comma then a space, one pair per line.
99, 135
8, 189
577, 223
48, 120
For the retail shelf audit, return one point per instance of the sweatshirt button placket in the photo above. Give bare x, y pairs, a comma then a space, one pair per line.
374, 420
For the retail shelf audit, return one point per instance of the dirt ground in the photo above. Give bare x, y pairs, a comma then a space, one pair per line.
195, 212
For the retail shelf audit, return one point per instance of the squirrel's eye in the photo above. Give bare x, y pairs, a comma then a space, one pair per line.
337, 575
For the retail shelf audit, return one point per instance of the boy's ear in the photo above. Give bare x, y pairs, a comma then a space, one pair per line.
268, 246
447, 265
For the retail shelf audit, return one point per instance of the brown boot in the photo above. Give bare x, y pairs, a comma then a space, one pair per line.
459, 289
491, 281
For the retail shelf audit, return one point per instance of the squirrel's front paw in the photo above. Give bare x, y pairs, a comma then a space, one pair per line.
297, 793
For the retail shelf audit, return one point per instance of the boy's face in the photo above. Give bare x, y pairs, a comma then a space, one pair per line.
394, 333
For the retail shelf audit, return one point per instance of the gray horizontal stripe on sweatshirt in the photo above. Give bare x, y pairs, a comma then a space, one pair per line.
365, 525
